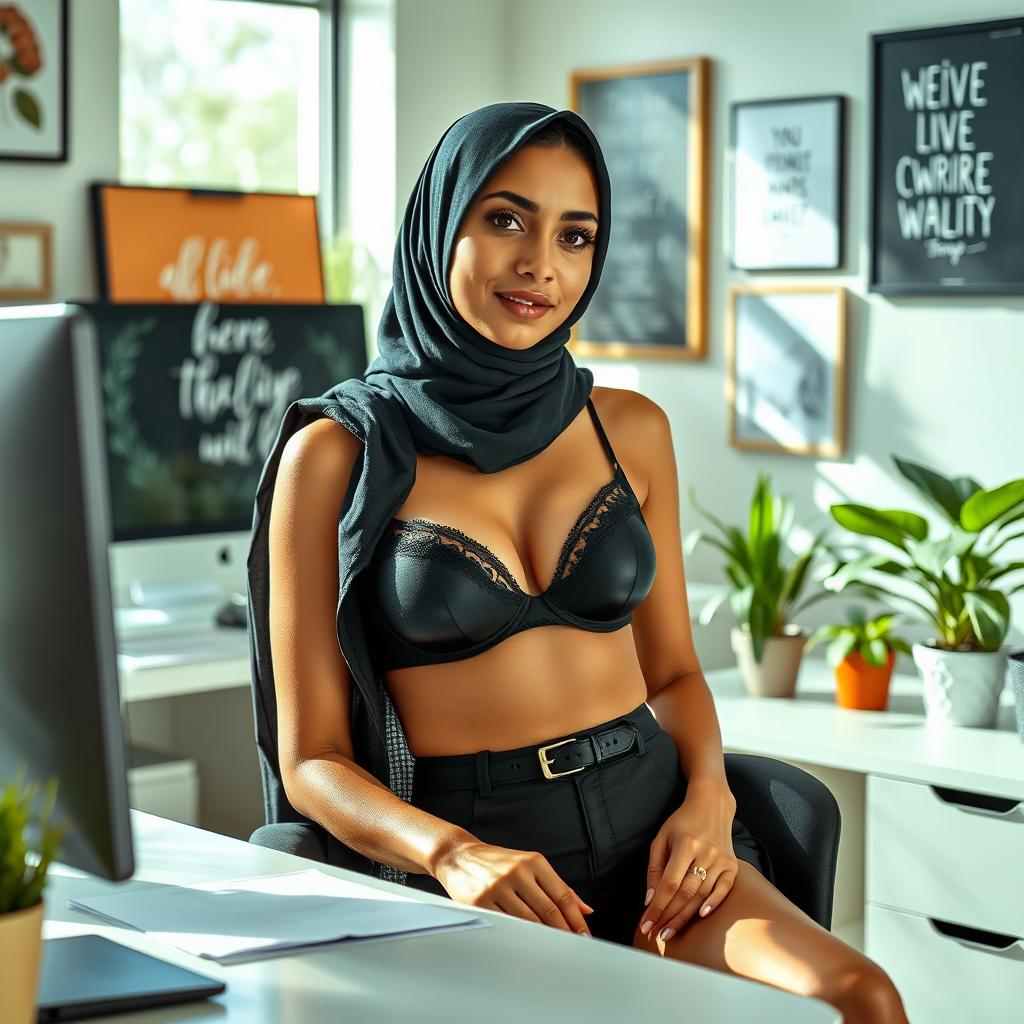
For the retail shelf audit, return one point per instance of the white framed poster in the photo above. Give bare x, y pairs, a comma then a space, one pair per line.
788, 159
34, 80
786, 381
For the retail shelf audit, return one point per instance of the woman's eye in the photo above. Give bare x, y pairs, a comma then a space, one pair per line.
498, 216
586, 237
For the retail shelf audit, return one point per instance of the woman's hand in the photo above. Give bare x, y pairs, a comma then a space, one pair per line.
518, 882
698, 834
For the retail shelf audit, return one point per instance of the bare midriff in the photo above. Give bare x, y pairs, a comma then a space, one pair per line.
547, 681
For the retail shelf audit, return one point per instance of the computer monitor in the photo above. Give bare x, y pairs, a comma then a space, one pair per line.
58, 669
60, 708
193, 397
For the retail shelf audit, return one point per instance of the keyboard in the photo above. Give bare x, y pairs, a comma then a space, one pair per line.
179, 646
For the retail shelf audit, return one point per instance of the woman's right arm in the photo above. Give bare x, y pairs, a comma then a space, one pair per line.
313, 686
312, 681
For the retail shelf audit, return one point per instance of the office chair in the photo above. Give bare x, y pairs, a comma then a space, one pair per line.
794, 814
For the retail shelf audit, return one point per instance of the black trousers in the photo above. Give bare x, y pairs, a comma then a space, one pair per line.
595, 826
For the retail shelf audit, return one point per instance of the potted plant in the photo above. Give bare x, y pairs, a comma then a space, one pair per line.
28, 844
956, 582
862, 652
767, 578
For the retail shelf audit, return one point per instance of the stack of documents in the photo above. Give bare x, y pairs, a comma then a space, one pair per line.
251, 918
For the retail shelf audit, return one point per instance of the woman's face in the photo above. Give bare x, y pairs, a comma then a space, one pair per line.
529, 235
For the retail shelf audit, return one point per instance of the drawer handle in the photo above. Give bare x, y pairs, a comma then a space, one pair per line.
977, 938
981, 803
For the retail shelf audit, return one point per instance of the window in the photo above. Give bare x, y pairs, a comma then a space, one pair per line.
225, 94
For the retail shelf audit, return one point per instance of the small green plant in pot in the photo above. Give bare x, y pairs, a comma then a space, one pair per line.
767, 580
862, 652
28, 844
958, 582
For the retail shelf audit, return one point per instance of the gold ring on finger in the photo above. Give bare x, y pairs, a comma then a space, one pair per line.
697, 870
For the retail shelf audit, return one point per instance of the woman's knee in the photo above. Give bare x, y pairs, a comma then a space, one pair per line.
864, 993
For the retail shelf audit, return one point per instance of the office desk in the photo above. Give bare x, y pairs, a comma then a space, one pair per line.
930, 881
513, 971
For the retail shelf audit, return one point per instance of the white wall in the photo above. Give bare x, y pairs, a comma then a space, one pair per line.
934, 379
451, 57
58, 193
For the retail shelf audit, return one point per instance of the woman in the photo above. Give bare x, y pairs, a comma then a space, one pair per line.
509, 596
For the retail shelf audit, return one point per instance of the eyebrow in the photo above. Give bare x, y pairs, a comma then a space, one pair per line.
531, 207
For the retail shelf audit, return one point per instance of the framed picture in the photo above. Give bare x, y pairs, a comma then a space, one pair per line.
34, 80
788, 159
947, 146
26, 261
651, 121
187, 245
787, 378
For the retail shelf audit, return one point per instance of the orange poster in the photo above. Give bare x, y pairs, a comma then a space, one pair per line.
187, 245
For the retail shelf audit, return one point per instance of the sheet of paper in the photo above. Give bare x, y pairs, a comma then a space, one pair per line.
247, 918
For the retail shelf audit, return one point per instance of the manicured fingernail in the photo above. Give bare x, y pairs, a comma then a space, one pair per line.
646, 927
667, 933
648, 897
705, 910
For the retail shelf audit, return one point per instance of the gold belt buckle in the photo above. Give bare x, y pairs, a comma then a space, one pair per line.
544, 762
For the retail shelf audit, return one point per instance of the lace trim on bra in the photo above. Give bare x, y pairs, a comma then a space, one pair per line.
609, 506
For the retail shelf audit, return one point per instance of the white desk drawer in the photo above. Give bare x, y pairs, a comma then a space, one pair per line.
946, 978
945, 858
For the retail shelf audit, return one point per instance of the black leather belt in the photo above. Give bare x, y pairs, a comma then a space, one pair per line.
548, 761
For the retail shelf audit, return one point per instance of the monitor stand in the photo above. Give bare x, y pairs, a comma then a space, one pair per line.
88, 975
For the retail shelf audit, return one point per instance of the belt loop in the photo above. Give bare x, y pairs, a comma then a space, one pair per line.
641, 743
483, 779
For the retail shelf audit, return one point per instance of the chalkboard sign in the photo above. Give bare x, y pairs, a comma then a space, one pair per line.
194, 395
947, 209
650, 120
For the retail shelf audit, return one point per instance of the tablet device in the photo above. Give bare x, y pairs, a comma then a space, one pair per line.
87, 975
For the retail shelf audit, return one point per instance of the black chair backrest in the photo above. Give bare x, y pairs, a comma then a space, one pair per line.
797, 818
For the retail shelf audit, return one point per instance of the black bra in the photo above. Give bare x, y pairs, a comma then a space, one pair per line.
441, 596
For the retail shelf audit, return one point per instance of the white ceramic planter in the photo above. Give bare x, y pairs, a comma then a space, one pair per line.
1017, 682
775, 675
21, 946
961, 687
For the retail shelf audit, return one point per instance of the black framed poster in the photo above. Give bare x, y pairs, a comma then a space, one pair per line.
947, 208
787, 159
651, 120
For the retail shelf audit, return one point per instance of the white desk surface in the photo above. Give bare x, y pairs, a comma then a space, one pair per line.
514, 970
899, 742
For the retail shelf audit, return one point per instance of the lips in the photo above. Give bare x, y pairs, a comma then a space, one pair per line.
522, 306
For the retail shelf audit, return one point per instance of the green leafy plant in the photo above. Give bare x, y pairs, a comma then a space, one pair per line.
767, 576
872, 639
954, 582
24, 859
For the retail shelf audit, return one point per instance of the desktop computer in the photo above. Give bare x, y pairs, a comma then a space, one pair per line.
193, 397
66, 496
60, 711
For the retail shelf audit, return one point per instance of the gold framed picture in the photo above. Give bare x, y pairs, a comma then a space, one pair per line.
786, 378
651, 120
26, 261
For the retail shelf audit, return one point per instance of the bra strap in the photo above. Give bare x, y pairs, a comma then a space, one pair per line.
601, 433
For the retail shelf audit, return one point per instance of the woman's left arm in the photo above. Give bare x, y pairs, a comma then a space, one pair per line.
699, 833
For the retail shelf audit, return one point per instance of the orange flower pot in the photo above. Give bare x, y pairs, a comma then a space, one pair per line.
862, 686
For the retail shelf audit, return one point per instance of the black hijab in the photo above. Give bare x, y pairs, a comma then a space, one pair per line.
439, 387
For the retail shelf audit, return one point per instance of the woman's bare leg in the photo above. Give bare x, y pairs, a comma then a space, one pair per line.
759, 934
